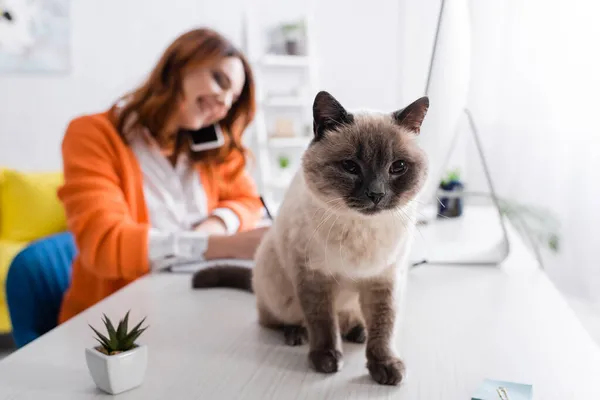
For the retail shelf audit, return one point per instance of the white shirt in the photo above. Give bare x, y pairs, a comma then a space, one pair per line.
176, 202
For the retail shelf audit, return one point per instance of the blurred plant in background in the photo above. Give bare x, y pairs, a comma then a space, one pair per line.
538, 226
284, 161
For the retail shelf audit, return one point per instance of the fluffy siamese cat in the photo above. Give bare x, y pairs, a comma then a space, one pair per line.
326, 270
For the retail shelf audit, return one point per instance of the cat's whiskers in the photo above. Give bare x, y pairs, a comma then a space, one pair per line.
394, 219
399, 216
326, 244
325, 219
332, 275
439, 201
421, 214
413, 223
327, 203
415, 208
408, 217
417, 201
306, 259
341, 241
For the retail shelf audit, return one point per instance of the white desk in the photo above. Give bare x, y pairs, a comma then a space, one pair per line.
460, 326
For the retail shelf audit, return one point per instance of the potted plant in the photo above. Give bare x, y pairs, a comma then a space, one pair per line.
285, 171
293, 34
451, 206
119, 363
284, 162
539, 227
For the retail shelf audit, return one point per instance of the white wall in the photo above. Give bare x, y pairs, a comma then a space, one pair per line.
359, 50
534, 95
116, 42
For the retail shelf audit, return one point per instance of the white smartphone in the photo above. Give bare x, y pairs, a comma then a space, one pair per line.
207, 138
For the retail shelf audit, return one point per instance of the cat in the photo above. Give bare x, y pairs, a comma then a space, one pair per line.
326, 270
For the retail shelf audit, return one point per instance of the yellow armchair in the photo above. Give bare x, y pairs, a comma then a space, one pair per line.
29, 210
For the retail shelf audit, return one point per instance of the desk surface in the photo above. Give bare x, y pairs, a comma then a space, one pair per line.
460, 325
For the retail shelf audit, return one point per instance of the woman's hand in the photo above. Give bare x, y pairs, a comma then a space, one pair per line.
212, 225
242, 245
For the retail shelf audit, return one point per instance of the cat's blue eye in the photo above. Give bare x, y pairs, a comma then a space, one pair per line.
350, 166
398, 167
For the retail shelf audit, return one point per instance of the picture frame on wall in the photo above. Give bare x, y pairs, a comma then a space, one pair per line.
35, 36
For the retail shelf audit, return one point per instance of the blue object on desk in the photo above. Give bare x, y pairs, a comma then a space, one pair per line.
451, 207
492, 390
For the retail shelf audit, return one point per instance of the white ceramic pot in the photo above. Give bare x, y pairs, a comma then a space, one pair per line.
120, 372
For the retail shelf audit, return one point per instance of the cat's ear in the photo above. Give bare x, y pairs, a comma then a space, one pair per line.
328, 113
411, 117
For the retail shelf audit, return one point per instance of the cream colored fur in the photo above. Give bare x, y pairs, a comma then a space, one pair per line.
331, 239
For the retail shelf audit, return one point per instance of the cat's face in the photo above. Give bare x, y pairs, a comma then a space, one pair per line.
365, 162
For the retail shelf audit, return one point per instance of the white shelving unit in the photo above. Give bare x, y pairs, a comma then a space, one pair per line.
276, 101
277, 60
286, 143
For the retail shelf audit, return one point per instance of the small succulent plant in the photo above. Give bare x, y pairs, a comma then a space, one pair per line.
119, 340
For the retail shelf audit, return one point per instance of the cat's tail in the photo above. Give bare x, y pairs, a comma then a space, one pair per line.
223, 276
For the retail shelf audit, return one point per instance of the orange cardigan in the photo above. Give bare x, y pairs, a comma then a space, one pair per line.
106, 212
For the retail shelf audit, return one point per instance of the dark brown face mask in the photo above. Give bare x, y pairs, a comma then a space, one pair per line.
368, 160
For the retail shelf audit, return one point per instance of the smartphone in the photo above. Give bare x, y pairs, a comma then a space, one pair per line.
207, 138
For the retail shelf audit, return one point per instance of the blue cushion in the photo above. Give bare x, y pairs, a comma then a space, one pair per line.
36, 281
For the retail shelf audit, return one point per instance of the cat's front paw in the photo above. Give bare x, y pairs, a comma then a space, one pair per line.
388, 372
326, 360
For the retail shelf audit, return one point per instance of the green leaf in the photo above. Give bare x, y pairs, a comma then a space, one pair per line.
284, 161
553, 243
120, 339
130, 341
122, 329
125, 322
103, 344
137, 327
101, 336
134, 334
111, 332
109, 327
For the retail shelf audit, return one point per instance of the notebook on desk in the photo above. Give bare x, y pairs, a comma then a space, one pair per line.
191, 266
491, 389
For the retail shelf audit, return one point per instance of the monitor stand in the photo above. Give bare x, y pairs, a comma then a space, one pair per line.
477, 237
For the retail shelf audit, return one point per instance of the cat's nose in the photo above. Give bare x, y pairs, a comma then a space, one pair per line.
375, 196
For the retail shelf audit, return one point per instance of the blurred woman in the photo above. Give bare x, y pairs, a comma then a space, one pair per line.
136, 193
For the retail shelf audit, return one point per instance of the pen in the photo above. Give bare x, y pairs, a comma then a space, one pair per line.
266, 208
